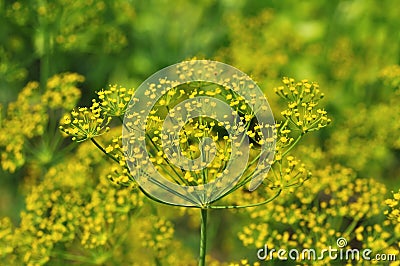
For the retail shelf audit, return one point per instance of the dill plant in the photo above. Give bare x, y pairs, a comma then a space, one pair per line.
42, 106
302, 115
32, 149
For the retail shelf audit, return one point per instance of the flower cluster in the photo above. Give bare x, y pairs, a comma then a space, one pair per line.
300, 117
394, 205
368, 129
391, 77
61, 91
206, 137
302, 100
114, 100
193, 132
28, 117
323, 211
25, 119
85, 123
69, 213
287, 173
161, 234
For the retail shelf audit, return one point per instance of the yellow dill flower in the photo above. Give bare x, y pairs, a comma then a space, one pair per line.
394, 205
115, 99
303, 98
84, 123
61, 91
311, 219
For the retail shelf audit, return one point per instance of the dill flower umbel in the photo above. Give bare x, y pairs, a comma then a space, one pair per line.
31, 115
84, 123
188, 129
114, 100
194, 138
302, 101
201, 135
61, 91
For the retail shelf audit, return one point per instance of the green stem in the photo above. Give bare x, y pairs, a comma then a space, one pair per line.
104, 151
247, 206
351, 227
45, 58
157, 261
72, 257
203, 237
293, 145
167, 161
117, 161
